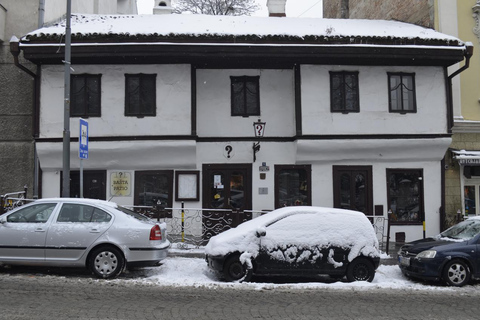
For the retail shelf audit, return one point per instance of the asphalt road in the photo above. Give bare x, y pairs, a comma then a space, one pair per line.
53, 295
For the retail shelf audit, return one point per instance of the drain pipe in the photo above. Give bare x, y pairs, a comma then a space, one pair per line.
468, 54
41, 13
15, 51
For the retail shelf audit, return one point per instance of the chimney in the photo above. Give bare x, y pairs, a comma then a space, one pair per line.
162, 7
276, 8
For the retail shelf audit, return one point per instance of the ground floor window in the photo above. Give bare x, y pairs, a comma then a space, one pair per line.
471, 197
352, 188
405, 195
153, 187
292, 185
94, 184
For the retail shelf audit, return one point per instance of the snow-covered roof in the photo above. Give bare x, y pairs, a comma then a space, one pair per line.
147, 28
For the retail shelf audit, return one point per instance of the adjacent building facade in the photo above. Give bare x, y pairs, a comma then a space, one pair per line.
18, 160
250, 113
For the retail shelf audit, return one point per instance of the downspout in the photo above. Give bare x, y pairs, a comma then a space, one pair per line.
41, 13
468, 54
15, 51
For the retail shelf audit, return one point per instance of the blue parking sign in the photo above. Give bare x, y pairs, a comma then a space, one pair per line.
83, 140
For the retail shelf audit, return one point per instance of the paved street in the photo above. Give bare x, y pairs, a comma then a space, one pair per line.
26, 294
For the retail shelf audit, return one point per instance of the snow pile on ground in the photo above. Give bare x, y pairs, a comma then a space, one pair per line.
186, 272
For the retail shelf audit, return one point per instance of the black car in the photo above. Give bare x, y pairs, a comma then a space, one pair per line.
297, 241
452, 257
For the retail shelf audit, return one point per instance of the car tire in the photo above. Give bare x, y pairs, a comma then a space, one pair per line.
106, 262
456, 273
235, 270
360, 269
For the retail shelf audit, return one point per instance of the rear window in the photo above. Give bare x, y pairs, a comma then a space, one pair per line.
131, 213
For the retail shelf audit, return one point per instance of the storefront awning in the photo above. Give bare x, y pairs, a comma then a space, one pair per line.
467, 157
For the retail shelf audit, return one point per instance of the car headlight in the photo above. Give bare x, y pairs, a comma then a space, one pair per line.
427, 254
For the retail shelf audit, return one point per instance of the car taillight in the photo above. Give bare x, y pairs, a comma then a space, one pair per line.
156, 233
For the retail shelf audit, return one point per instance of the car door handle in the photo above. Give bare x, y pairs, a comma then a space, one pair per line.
40, 230
94, 230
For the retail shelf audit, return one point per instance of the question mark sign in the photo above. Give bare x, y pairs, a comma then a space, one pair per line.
259, 128
229, 149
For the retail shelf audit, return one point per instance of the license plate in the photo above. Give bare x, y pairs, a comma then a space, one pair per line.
404, 261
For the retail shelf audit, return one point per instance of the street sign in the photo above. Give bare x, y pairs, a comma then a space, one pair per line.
83, 140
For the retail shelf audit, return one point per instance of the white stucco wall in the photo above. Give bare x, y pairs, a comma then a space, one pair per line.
173, 102
374, 117
214, 104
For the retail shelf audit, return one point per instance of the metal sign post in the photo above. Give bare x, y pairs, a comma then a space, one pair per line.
82, 149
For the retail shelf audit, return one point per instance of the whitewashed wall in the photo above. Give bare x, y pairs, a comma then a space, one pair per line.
173, 102
374, 117
214, 104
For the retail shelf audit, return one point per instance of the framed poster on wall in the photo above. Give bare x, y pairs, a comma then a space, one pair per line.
187, 186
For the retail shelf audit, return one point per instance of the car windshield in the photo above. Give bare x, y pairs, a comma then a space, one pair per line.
133, 214
464, 230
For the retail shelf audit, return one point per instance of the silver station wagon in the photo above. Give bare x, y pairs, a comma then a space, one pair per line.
63, 232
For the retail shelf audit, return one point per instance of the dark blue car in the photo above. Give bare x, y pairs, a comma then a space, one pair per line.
453, 256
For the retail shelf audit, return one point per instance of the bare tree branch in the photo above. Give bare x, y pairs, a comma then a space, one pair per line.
216, 7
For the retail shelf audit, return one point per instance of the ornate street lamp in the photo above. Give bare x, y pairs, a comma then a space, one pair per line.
259, 128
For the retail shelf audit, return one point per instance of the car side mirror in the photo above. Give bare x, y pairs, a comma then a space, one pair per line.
3, 220
261, 232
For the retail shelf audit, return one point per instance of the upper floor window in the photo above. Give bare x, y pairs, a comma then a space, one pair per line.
344, 92
401, 93
245, 96
85, 95
140, 95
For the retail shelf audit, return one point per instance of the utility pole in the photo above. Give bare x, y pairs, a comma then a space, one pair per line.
66, 109
344, 9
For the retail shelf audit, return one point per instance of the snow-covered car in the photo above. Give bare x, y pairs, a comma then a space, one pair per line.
96, 234
453, 256
297, 241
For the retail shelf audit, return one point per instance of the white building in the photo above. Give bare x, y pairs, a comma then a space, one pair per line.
356, 113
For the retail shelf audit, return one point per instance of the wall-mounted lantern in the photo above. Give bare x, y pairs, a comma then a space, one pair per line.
259, 128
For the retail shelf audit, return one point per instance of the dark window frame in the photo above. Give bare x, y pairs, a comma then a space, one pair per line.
86, 106
137, 188
148, 97
255, 80
421, 204
280, 168
403, 109
343, 88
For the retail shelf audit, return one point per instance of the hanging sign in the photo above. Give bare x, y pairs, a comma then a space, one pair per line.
83, 140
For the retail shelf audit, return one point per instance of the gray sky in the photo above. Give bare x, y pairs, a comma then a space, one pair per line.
295, 8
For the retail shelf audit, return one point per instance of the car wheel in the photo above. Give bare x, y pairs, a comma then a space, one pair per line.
106, 262
360, 269
235, 270
456, 273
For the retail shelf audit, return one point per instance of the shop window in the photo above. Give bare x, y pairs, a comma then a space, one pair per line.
352, 188
140, 95
344, 92
401, 93
85, 95
245, 95
153, 188
405, 195
292, 186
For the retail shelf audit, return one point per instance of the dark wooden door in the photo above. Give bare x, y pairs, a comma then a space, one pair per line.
228, 190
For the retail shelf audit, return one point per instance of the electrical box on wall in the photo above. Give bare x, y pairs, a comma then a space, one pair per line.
262, 190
